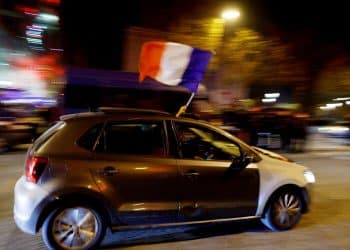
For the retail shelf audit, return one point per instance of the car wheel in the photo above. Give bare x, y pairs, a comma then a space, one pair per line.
73, 227
284, 210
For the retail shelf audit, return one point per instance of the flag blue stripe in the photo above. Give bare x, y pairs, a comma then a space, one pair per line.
195, 70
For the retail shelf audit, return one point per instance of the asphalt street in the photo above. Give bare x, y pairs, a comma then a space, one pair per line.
326, 226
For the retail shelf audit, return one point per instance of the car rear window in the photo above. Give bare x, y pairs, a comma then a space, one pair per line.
47, 135
89, 138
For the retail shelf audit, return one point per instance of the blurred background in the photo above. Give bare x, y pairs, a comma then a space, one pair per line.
280, 71
279, 79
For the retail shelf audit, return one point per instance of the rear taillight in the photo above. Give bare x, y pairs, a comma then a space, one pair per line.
35, 167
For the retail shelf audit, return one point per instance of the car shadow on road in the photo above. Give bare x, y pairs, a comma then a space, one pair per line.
181, 233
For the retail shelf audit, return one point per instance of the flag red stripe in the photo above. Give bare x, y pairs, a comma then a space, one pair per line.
150, 58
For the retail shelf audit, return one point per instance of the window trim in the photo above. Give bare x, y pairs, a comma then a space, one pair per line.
99, 136
171, 129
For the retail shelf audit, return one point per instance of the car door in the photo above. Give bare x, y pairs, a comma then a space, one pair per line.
214, 184
135, 173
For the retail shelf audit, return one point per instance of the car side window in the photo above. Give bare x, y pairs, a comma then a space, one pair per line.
88, 140
136, 138
200, 143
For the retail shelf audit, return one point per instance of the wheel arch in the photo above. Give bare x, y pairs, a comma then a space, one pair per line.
300, 190
73, 197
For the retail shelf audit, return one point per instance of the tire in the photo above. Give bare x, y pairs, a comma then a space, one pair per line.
73, 227
283, 210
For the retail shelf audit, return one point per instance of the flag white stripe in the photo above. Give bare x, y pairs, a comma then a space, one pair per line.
174, 62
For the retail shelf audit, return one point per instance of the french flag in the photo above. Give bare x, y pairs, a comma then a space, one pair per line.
173, 64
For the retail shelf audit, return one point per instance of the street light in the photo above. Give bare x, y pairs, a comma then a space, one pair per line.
230, 14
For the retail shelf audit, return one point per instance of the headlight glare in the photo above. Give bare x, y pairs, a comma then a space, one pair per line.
309, 176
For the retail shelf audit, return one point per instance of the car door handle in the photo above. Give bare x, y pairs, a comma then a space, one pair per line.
108, 171
191, 174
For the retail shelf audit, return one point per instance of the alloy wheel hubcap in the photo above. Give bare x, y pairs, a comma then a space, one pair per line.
75, 228
287, 210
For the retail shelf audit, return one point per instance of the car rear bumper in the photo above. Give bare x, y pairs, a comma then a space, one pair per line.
27, 198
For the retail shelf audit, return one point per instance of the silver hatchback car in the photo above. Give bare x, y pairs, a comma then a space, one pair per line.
131, 168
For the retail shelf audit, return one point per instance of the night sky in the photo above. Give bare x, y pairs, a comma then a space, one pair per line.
94, 30
327, 21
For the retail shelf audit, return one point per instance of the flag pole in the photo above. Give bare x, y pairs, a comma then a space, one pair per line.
183, 108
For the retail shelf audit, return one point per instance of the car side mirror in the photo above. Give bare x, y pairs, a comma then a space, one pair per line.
236, 166
245, 160
239, 164
249, 159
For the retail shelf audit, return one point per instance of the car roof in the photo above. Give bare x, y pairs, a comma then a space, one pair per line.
126, 114
118, 112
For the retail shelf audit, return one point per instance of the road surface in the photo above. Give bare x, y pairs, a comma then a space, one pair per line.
327, 226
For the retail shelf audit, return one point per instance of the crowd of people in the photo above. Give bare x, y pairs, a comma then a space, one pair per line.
287, 132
